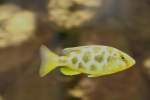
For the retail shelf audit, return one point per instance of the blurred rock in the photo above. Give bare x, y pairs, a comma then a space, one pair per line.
17, 25
70, 14
7, 11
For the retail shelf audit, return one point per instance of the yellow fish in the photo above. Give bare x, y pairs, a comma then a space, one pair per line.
93, 60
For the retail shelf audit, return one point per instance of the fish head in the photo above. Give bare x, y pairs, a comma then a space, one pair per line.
127, 60
120, 61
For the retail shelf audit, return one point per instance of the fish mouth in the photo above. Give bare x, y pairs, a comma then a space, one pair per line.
130, 62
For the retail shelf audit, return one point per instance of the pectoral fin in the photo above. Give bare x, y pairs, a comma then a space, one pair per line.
68, 71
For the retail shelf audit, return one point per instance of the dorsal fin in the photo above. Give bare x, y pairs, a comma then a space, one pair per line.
68, 50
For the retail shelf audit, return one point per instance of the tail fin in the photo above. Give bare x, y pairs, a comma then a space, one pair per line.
49, 61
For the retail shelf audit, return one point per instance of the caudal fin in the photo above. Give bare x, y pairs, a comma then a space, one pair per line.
49, 61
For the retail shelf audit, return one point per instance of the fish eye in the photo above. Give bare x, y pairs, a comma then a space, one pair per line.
122, 57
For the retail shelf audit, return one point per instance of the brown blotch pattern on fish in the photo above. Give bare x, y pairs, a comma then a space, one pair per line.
86, 57
74, 60
99, 58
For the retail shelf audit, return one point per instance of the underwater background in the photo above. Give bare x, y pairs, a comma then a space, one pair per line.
27, 24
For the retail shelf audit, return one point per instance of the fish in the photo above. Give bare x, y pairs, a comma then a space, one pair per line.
91, 60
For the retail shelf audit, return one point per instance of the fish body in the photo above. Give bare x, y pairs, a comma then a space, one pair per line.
93, 60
